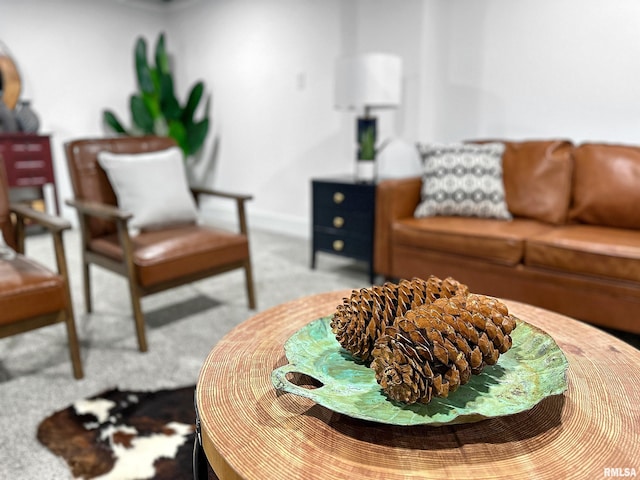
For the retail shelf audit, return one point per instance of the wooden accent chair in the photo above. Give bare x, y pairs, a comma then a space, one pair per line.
151, 260
31, 295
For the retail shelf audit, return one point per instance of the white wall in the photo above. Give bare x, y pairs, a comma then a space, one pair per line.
473, 68
541, 68
75, 59
270, 65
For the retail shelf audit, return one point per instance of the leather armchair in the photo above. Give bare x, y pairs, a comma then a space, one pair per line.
31, 295
151, 261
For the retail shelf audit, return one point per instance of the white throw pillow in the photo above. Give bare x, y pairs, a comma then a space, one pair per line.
463, 180
152, 186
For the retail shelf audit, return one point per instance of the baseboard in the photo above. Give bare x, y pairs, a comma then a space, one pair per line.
261, 219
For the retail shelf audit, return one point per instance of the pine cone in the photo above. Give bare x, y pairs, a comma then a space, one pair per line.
433, 349
363, 317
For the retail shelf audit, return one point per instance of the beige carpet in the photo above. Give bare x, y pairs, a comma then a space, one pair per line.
182, 326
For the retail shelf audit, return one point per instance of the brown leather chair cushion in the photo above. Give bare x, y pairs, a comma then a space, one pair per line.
27, 289
492, 240
606, 185
587, 249
537, 178
168, 254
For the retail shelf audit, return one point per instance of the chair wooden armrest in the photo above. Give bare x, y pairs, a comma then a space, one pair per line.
101, 210
108, 212
219, 193
55, 225
239, 198
50, 222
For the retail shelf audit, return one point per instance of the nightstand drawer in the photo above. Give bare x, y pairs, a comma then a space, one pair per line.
347, 221
343, 196
339, 244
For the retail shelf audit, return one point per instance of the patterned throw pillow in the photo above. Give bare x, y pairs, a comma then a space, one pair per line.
463, 180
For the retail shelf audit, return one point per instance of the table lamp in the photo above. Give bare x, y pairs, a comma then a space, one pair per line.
366, 82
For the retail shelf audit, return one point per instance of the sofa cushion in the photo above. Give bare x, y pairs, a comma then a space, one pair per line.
463, 180
587, 249
537, 178
606, 188
489, 239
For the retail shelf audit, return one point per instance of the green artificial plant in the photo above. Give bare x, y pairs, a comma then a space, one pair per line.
155, 110
367, 144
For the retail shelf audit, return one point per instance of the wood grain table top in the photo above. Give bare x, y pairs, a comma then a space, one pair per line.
250, 430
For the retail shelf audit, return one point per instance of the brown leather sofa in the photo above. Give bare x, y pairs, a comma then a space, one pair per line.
573, 245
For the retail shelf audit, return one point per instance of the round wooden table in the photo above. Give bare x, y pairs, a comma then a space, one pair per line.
250, 430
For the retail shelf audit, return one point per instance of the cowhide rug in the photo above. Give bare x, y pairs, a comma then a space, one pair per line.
125, 435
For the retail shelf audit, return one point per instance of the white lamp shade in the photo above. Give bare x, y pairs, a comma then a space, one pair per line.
370, 80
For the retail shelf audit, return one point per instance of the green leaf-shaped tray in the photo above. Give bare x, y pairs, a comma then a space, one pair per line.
533, 369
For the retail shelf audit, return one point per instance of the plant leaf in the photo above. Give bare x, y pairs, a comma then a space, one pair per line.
110, 119
152, 102
162, 59
178, 132
196, 134
143, 72
192, 102
168, 102
141, 115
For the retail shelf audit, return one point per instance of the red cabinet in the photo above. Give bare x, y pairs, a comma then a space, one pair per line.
28, 162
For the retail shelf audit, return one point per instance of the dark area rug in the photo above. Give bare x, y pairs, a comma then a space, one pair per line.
125, 435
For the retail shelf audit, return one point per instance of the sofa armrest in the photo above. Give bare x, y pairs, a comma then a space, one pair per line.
395, 199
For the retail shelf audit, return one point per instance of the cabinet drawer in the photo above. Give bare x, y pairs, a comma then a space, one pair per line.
27, 160
340, 244
29, 173
344, 196
30, 148
359, 223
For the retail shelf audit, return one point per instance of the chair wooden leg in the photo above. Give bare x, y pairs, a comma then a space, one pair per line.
74, 348
86, 276
138, 317
251, 296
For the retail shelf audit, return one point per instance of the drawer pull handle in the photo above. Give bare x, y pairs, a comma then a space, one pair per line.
338, 197
338, 222
338, 245
29, 164
31, 181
